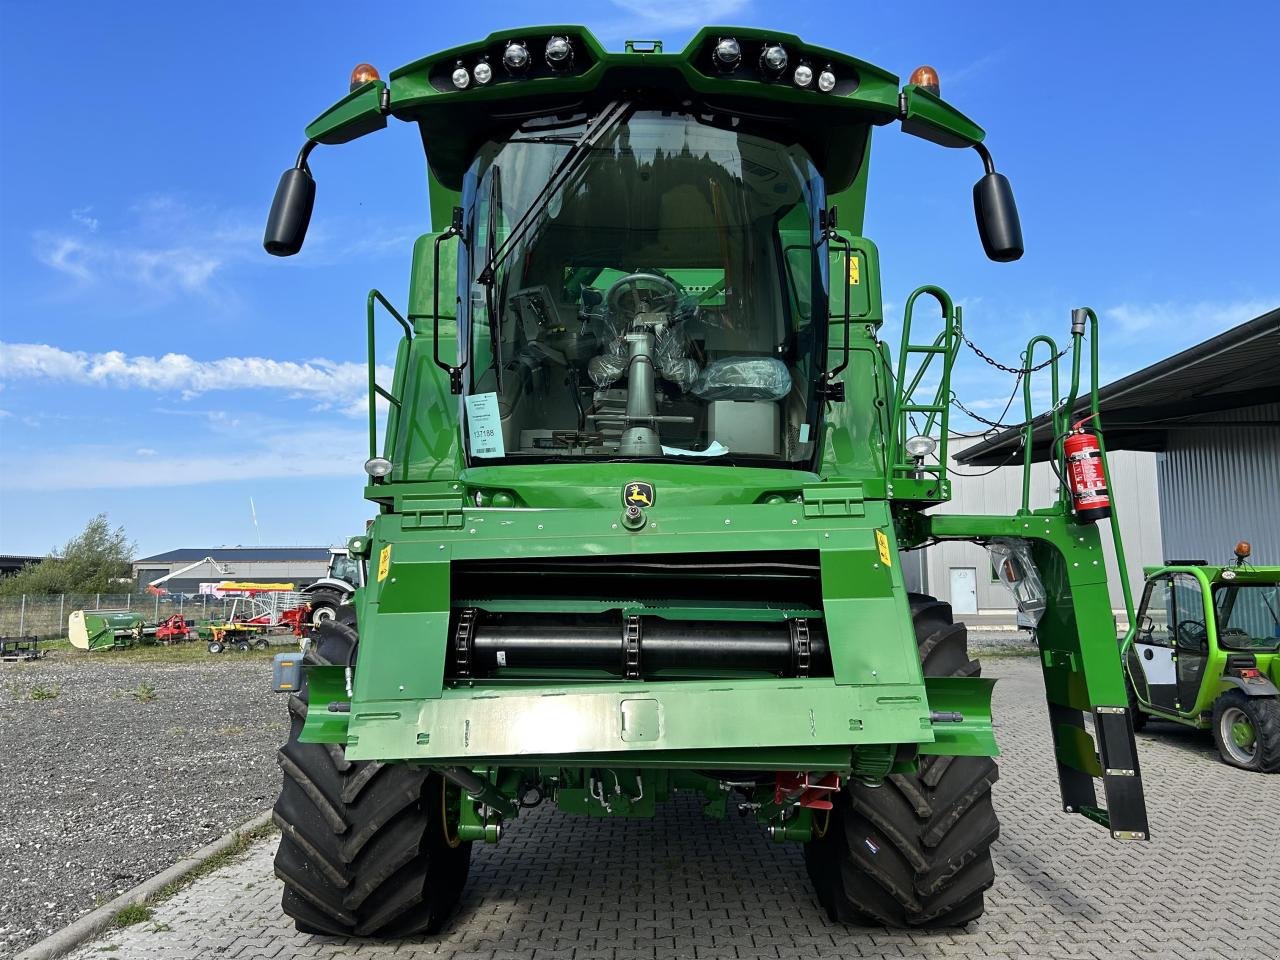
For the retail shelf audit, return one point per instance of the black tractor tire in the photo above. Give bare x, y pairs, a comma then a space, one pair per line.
916, 850
324, 606
1264, 714
364, 848
216, 646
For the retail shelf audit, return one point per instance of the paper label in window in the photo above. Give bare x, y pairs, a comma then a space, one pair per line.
484, 425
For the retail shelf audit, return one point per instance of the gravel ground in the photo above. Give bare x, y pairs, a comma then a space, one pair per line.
985, 643
101, 787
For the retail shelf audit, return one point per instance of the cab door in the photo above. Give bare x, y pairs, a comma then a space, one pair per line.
1153, 650
1190, 638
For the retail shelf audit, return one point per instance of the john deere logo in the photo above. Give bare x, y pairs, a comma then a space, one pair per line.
638, 493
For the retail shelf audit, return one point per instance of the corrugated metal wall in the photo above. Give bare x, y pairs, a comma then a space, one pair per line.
1220, 484
1133, 479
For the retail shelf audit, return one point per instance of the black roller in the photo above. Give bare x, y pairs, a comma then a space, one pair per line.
636, 647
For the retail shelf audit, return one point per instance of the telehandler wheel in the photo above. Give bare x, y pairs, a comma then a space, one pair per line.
1247, 731
364, 845
915, 851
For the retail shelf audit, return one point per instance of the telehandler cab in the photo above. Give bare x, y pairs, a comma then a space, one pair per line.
1207, 654
645, 479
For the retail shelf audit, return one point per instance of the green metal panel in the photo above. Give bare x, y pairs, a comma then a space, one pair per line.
850, 507
358, 113
930, 117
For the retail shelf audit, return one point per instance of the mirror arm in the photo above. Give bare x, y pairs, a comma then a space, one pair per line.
455, 373
988, 165
304, 153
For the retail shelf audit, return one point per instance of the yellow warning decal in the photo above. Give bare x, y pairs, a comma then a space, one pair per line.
384, 562
882, 544
854, 270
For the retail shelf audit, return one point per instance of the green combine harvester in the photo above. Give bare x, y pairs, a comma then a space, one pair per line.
645, 480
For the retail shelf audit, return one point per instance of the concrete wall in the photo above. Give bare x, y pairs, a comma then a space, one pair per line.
1219, 483
977, 490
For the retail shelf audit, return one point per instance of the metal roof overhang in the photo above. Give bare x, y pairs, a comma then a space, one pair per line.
1238, 368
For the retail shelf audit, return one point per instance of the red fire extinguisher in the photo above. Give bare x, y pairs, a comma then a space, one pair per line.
1086, 476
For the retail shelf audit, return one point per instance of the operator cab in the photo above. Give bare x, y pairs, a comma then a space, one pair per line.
664, 301
1182, 628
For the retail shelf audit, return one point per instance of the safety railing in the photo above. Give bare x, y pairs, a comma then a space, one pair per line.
1061, 411
375, 389
905, 463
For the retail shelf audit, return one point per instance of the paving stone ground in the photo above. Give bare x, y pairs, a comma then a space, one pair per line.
1208, 885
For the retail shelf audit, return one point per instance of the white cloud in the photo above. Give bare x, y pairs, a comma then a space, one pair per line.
82, 217
255, 457
166, 247
1191, 321
677, 14
342, 385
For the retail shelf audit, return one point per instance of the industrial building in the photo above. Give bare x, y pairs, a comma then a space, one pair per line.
961, 573
1209, 420
206, 565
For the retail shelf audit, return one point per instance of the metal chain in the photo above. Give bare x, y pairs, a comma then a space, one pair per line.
994, 424
1017, 370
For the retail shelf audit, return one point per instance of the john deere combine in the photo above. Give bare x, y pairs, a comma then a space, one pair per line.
645, 478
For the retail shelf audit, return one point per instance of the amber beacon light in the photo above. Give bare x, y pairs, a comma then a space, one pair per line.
927, 77
362, 74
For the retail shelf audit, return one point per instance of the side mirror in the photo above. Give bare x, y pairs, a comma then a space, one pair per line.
290, 213
997, 215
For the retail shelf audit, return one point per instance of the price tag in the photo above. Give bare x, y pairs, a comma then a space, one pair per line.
484, 425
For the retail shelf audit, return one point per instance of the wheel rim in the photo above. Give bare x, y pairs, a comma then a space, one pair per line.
320, 614
1238, 735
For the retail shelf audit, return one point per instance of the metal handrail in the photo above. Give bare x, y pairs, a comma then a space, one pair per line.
1095, 414
375, 390
946, 344
1028, 363
1060, 419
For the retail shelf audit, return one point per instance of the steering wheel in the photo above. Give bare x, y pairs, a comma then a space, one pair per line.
668, 294
1192, 633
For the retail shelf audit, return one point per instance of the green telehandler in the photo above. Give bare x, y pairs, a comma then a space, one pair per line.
1206, 654
645, 480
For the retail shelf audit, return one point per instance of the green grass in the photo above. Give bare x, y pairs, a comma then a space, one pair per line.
193, 651
141, 912
144, 692
133, 913
244, 839
1006, 653
51, 692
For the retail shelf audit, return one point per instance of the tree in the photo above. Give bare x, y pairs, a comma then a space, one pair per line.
93, 562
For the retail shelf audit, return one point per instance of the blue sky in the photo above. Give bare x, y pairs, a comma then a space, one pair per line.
158, 366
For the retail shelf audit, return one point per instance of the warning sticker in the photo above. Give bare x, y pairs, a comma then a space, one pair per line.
384, 562
882, 544
854, 271
484, 426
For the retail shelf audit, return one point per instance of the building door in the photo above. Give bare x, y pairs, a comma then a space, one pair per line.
964, 590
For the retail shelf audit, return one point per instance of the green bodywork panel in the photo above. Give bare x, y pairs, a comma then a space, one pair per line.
848, 509
1197, 712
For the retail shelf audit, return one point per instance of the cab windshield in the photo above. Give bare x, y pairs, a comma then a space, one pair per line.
661, 305
1248, 616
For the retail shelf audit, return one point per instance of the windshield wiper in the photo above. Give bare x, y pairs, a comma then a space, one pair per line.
569, 141
606, 120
